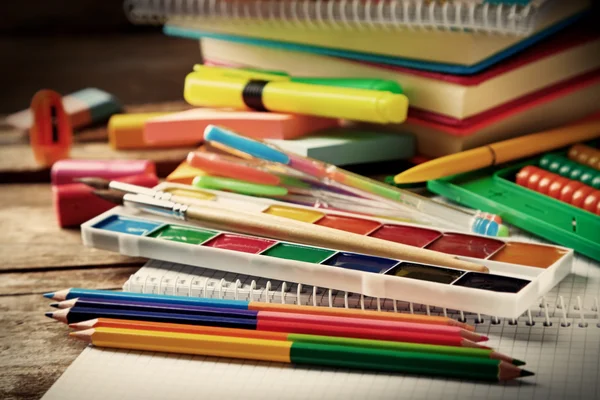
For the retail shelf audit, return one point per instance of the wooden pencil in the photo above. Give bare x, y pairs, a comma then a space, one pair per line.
269, 319
298, 337
98, 294
76, 314
304, 353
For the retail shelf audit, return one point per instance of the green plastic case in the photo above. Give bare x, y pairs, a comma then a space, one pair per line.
494, 190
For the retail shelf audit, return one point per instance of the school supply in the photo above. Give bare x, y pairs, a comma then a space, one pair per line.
184, 174
303, 353
346, 146
297, 337
501, 152
477, 51
126, 132
187, 126
332, 176
519, 272
281, 322
585, 155
558, 330
560, 104
553, 185
238, 186
207, 71
277, 227
231, 167
495, 189
74, 203
569, 169
562, 56
68, 171
84, 107
51, 133
150, 298
296, 98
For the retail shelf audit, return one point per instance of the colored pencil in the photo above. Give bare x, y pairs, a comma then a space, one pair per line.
80, 314
287, 229
296, 337
501, 152
303, 353
73, 293
263, 317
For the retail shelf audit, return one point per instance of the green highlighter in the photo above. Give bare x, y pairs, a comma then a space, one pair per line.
237, 186
354, 83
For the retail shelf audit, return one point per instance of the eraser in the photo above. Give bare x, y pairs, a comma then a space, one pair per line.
126, 131
83, 108
65, 171
185, 174
188, 126
75, 203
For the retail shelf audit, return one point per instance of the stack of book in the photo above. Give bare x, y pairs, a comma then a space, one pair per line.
475, 72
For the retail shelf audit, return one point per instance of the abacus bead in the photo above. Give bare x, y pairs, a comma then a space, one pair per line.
566, 194
580, 195
523, 175
591, 201
557, 186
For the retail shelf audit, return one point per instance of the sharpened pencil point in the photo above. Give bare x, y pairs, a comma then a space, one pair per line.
49, 314
55, 305
525, 373
49, 295
96, 183
518, 363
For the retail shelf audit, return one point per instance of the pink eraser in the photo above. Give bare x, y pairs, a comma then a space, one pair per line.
74, 203
189, 125
65, 171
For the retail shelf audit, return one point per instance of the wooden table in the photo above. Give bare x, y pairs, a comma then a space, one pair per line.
37, 256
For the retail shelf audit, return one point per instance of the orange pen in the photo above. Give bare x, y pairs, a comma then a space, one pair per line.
231, 167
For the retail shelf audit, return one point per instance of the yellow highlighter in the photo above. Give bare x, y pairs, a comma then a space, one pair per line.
203, 88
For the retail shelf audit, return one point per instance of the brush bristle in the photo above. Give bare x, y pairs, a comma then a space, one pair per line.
110, 195
96, 183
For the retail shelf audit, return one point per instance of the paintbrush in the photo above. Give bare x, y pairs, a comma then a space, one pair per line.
285, 229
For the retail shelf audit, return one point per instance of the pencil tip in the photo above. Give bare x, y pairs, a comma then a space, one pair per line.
525, 373
96, 183
518, 363
55, 305
49, 314
111, 196
49, 295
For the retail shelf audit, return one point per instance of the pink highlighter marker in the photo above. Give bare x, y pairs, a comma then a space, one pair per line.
231, 167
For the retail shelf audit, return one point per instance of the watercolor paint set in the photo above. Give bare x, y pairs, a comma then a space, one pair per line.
520, 273
551, 196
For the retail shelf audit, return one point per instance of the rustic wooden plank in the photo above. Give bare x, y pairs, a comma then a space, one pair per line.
36, 350
30, 237
39, 282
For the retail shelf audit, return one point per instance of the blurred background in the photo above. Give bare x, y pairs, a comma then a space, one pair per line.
66, 45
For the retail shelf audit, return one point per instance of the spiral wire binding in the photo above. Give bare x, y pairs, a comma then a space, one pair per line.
273, 292
461, 15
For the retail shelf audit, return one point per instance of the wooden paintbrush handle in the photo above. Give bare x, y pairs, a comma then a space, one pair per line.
301, 232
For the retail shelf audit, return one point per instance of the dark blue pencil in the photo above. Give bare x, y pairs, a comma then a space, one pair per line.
118, 304
80, 314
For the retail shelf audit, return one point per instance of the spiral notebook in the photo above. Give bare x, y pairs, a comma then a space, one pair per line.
559, 339
461, 37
